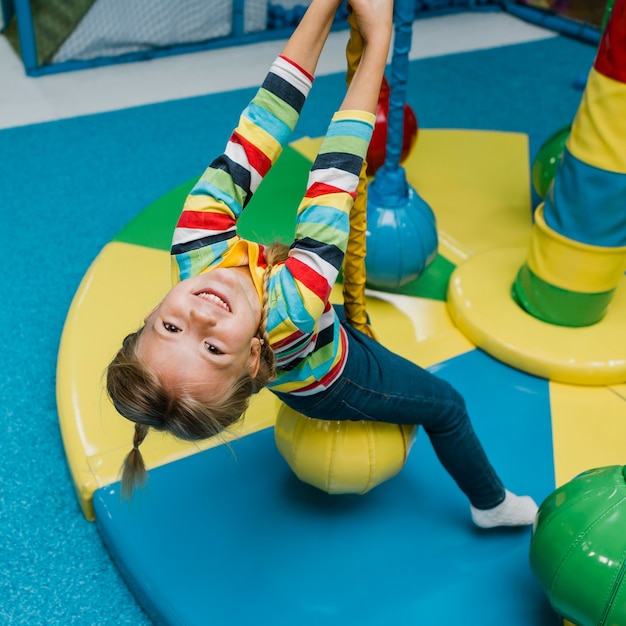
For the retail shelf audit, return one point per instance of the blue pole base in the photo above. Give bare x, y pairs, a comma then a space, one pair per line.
402, 236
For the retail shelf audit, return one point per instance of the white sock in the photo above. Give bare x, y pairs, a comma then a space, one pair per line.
512, 511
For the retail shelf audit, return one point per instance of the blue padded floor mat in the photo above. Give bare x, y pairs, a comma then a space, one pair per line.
230, 536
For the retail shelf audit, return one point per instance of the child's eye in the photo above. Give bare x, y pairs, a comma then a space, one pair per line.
170, 328
211, 348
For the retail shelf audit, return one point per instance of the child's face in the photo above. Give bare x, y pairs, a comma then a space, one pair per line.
202, 335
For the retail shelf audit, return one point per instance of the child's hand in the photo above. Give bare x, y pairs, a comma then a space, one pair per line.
374, 19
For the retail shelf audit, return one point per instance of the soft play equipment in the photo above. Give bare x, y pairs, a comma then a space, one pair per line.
378, 145
85, 33
402, 234
557, 309
547, 160
578, 549
573, 18
578, 253
341, 457
548, 157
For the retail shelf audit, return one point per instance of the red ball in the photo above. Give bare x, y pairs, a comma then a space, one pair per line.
378, 145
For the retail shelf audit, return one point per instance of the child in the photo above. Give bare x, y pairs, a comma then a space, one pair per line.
243, 316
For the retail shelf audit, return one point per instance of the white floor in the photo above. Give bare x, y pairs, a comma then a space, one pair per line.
25, 100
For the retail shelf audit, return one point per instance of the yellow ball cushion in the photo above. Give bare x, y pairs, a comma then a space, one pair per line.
342, 456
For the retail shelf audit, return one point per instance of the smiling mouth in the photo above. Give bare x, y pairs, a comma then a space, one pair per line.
209, 296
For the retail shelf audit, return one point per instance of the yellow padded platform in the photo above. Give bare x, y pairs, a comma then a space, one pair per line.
479, 298
588, 428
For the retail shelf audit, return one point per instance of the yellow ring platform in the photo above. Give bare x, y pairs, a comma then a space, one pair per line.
480, 303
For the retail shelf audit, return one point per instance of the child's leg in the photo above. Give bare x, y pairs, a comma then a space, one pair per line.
379, 385
386, 387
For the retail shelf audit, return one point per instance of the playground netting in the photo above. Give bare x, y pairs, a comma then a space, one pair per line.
55, 37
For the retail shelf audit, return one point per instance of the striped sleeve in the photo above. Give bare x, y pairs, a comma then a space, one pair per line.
206, 229
323, 218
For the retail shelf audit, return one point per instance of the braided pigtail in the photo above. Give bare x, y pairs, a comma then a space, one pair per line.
264, 336
134, 468
274, 253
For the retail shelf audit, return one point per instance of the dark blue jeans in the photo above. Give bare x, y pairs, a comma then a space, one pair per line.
380, 385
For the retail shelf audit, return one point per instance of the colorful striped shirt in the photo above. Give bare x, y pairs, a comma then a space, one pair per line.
308, 342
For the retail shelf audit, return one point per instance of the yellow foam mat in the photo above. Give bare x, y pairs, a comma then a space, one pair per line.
476, 182
436, 337
588, 427
478, 185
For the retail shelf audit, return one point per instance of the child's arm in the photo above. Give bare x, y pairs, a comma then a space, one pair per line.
206, 229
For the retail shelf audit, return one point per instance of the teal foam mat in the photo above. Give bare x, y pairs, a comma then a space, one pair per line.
230, 536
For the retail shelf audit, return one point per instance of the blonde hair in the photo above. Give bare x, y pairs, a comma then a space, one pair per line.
138, 395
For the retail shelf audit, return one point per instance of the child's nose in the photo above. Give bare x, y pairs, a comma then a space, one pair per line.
203, 315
